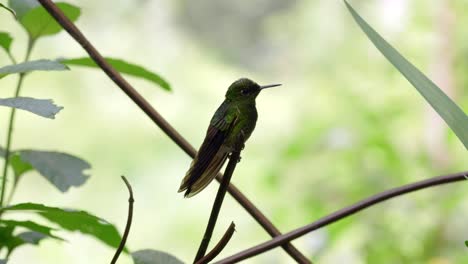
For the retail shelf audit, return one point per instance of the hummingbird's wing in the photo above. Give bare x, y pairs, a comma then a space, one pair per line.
212, 153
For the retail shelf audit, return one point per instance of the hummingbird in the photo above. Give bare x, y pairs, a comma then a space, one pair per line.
230, 127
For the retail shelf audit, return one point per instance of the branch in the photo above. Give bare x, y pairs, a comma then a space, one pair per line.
233, 159
129, 221
58, 15
347, 211
220, 246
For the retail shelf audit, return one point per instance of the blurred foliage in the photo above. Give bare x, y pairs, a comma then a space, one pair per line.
344, 125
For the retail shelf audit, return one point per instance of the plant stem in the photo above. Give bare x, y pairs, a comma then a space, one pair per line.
233, 159
10, 126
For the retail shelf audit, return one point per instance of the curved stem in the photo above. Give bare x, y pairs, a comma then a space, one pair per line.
10, 127
345, 212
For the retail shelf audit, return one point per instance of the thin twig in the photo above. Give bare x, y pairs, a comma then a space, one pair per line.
162, 123
129, 222
220, 246
347, 211
233, 159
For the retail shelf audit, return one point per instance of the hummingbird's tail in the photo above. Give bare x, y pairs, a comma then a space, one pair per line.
198, 178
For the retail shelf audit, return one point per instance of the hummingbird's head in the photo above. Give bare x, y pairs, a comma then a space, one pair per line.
245, 89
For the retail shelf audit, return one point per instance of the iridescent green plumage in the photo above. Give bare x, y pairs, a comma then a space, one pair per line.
230, 127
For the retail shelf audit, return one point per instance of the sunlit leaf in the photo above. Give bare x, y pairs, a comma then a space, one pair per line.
447, 109
149, 256
19, 166
8, 9
42, 107
38, 22
21, 7
61, 169
37, 65
123, 67
32, 226
5, 41
74, 220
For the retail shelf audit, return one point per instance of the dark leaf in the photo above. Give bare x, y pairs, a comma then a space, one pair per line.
447, 109
32, 226
42, 107
5, 41
8, 240
19, 166
38, 65
60, 169
74, 220
21, 7
38, 22
149, 256
123, 67
32, 237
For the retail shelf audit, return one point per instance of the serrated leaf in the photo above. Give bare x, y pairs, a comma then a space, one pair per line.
149, 256
123, 67
42, 107
445, 107
5, 41
32, 226
61, 169
73, 220
32, 237
8, 9
38, 22
19, 166
21, 7
37, 65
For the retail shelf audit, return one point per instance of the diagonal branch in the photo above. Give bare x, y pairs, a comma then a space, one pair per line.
129, 222
219, 247
58, 15
345, 212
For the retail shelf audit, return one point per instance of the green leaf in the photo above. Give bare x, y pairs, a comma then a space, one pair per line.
8, 240
5, 41
37, 65
21, 7
60, 169
42, 107
123, 67
8, 9
19, 166
149, 256
32, 226
38, 22
73, 220
466, 243
447, 109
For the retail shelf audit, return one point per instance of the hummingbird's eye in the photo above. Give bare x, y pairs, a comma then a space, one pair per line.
244, 91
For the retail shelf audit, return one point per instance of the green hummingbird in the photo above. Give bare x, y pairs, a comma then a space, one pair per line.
229, 129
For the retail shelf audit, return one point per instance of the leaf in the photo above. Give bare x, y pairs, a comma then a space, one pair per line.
8, 240
73, 220
447, 109
60, 169
37, 65
149, 256
123, 67
42, 107
5, 41
32, 237
19, 166
38, 22
3, 261
45, 230
8, 9
21, 7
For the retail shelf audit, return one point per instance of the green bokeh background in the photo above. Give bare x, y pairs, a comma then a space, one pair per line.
344, 125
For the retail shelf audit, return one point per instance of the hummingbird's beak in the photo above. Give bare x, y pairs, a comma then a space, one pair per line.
269, 86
